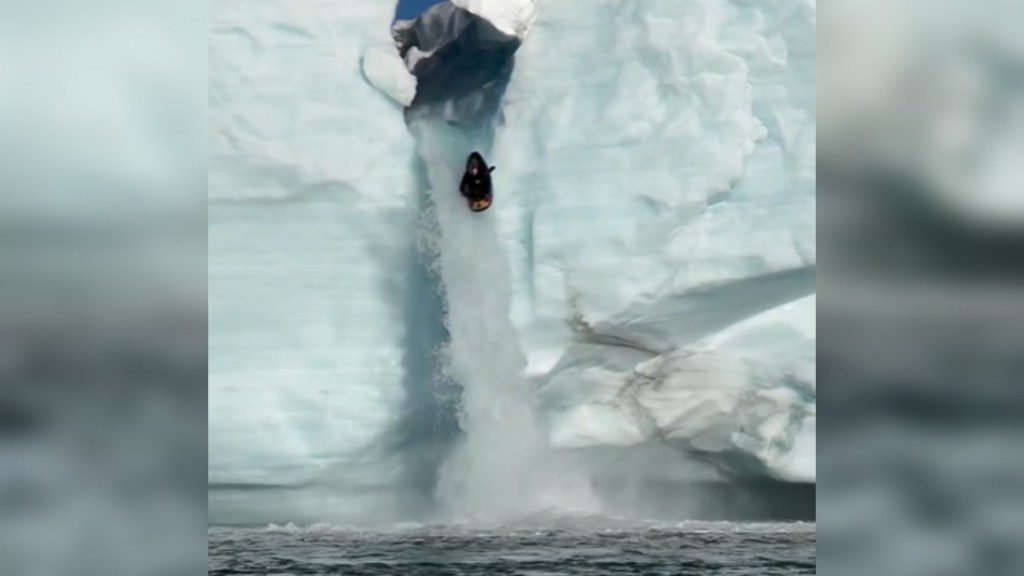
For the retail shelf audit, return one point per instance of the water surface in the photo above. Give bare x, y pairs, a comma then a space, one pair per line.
637, 549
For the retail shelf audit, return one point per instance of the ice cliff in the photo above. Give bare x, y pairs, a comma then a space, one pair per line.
649, 264
659, 186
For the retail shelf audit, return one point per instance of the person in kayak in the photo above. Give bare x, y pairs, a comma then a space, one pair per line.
476, 183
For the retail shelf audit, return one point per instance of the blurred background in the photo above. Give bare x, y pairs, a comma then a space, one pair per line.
102, 288
921, 202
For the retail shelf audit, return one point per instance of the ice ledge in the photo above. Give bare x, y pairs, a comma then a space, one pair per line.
386, 72
512, 17
743, 399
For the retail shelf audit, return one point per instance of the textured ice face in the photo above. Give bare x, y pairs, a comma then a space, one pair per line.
313, 288
658, 187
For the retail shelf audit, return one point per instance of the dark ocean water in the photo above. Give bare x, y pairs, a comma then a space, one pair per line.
689, 548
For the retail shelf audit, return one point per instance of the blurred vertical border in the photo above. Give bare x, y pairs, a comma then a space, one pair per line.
921, 319
103, 340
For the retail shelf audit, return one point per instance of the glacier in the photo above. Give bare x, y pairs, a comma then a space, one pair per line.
630, 329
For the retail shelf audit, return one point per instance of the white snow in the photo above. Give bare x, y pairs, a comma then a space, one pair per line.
386, 71
653, 236
512, 17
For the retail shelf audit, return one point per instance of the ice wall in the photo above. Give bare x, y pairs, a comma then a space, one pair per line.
657, 177
652, 257
322, 320
659, 211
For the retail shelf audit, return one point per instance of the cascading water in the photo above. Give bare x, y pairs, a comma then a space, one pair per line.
502, 468
502, 440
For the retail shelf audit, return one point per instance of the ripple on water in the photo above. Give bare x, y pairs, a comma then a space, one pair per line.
688, 548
